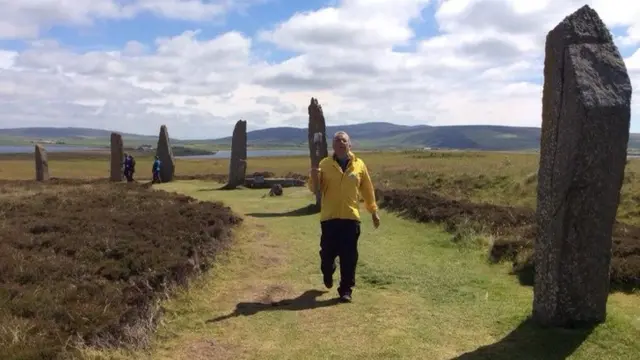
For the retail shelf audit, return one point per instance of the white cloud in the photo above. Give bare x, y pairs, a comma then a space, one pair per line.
484, 67
361, 58
126, 89
361, 24
28, 18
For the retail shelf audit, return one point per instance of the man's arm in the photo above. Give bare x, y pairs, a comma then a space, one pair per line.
367, 191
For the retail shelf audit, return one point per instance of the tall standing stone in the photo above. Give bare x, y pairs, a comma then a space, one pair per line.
585, 130
42, 163
238, 163
117, 157
165, 153
317, 143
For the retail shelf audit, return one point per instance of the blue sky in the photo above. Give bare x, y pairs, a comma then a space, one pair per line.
146, 27
402, 61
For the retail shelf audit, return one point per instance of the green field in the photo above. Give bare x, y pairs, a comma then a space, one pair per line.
424, 290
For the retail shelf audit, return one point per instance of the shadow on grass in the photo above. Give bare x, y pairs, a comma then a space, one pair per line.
303, 211
531, 342
306, 301
219, 189
224, 187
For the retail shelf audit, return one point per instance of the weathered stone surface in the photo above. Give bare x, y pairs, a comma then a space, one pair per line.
238, 163
42, 163
117, 157
165, 153
585, 130
276, 190
317, 136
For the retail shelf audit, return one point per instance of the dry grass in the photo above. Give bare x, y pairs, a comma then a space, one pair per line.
96, 166
491, 177
502, 179
86, 263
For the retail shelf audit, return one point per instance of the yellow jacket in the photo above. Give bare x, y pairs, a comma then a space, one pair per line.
341, 191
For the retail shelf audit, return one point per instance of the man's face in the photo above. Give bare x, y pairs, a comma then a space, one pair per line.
341, 145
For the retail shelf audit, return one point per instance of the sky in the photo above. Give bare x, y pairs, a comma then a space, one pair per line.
198, 66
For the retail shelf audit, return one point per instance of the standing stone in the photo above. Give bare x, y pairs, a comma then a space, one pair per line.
165, 153
117, 157
42, 163
238, 163
317, 144
583, 148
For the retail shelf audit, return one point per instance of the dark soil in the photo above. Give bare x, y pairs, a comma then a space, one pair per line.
514, 229
85, 262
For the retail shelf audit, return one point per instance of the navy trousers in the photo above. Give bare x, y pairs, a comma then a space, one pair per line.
340, 239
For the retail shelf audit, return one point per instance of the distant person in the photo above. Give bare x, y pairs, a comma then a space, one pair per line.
125, 164
133, 165
341, 180
129, 167
156, 170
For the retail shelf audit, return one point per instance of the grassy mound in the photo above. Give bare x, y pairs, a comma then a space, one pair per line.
513, 229
84, 264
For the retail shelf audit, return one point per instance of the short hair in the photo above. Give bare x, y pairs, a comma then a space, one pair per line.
343, 133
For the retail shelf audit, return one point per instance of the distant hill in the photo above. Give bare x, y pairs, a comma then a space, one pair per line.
53, 132
387, 135
70, 136
380, 135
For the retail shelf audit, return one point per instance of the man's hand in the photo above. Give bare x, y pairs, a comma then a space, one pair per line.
376, 219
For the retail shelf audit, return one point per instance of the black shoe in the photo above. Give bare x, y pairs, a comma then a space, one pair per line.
328, 281
345, 298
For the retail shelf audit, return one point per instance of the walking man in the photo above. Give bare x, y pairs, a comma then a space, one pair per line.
342, 179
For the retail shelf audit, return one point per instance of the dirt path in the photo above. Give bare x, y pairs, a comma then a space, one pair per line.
418, 296
276, 261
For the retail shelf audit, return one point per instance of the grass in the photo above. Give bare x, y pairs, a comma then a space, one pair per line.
418, 296
422, 293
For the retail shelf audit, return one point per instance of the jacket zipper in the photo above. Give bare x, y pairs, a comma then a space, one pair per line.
340, 209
